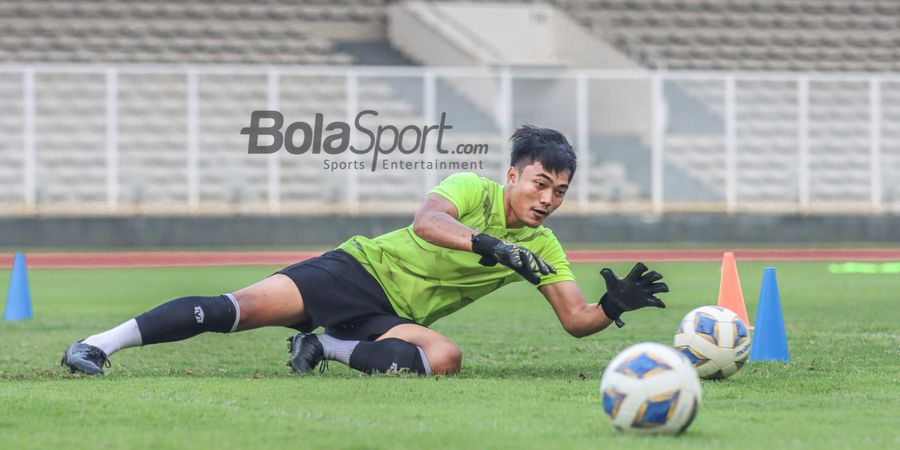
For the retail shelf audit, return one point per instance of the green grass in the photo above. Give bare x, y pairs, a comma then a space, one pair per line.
525, 383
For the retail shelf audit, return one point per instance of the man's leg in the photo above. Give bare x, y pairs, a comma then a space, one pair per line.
442, 354
273, 301
437, 351
407, 346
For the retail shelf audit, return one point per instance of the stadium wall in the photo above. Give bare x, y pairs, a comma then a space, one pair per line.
148, 232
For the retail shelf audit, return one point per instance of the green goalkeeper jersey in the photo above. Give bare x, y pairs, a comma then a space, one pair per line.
425, 282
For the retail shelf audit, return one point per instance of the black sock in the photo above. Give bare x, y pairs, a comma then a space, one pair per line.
187, 317
387, 355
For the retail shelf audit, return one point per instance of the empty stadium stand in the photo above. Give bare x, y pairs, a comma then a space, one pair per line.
749, 34
152, 157
770, 35
157, 170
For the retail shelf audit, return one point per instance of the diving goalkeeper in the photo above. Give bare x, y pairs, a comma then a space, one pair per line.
376, 297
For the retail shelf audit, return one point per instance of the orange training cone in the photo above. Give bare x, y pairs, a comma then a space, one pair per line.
730, 294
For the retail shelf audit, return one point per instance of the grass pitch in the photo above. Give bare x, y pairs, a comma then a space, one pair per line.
525, 383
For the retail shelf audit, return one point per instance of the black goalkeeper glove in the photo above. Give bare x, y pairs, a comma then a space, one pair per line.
519, 259
635, 291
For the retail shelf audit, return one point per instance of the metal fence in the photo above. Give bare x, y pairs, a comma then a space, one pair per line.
128, 139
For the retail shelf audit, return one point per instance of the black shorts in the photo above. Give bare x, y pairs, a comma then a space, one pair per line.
341, 296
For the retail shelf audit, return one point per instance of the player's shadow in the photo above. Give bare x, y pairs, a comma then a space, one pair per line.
569, 372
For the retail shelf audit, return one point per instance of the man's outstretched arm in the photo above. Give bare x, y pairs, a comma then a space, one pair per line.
639, 289
437, 222
577, 316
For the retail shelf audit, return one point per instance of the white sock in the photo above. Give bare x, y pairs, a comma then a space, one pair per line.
336, 349
123, 336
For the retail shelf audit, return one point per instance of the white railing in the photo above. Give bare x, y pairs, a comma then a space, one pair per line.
678, 113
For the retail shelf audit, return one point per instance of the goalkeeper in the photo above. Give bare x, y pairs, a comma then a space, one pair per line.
376, 297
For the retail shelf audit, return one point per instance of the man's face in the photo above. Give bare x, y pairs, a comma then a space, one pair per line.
534, 193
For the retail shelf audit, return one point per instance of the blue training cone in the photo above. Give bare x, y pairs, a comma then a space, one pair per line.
769, 338
18, 301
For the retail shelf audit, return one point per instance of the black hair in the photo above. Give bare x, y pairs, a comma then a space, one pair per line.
549, 147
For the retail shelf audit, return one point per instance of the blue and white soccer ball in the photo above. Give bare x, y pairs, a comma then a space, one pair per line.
715, 339
650, 388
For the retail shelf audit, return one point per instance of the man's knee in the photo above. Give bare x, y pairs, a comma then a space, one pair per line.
445, 357
273, 301
442, 354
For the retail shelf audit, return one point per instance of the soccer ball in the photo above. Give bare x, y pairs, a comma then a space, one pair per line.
650, 388
715, 339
